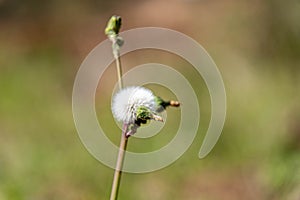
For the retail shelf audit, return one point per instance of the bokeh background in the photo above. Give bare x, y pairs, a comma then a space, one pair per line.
256, 45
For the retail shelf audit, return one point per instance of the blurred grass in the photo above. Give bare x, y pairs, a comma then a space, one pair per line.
257, 156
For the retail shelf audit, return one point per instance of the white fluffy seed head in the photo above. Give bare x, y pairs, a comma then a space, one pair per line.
126, 102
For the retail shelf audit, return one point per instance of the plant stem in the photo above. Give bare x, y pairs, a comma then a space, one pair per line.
119, 71
124, 138
119, 165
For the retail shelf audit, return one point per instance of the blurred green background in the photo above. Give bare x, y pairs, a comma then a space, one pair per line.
256, 45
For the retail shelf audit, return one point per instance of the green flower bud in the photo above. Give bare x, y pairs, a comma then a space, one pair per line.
162, 105
113, 25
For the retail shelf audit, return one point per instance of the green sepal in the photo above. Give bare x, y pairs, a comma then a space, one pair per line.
143, 113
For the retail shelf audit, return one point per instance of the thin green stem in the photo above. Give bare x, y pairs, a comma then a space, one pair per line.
119, 165
112, 30
119, 71
124, 137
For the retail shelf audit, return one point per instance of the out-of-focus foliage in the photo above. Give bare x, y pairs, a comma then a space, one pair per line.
281, 41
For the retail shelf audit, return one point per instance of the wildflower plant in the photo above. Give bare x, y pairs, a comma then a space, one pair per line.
133, 106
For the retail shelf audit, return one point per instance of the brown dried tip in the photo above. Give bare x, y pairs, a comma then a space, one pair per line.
174, 103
